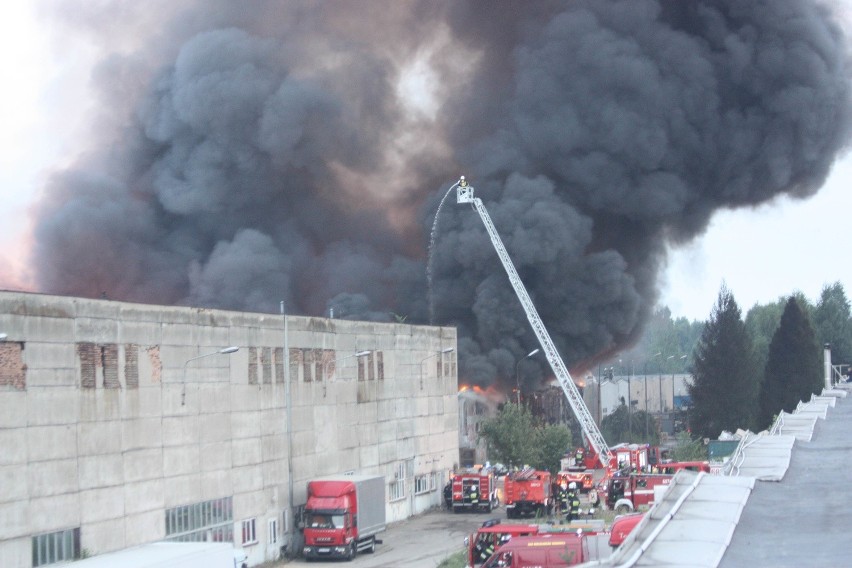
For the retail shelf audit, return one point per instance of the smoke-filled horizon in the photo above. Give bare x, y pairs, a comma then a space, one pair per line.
246, 154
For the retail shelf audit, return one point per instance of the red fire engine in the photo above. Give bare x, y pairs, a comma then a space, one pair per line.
626, 493
474, 490
585, 480
527, 492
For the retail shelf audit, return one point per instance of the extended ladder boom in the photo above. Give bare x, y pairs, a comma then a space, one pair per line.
464, 194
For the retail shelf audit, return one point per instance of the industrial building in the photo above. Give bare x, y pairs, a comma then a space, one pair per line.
123, 424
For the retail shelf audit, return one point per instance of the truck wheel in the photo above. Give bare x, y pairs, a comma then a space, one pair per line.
372, 548
350, 555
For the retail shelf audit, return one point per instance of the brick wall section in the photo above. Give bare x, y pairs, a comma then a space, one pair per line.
109, 359
131, 366
252, 369
89, 355
156, 363
266, 364
13, 372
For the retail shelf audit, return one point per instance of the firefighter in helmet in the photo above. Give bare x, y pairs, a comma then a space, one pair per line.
573, 502
472, 491
562, 497
485, 547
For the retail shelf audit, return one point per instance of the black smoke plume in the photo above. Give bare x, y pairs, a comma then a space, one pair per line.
247, 153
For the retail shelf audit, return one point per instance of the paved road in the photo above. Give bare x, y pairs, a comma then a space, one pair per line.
421, 542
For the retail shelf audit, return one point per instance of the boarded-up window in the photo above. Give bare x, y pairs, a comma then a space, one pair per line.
94, 357
266, 362
252, 369
371, 369
380, 364
308, 364
109, 360
131, 365
89, 359
278, 361
295, 363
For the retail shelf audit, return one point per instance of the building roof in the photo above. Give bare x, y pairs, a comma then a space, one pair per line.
782, 499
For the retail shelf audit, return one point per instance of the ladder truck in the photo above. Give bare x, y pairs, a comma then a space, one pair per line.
464, 194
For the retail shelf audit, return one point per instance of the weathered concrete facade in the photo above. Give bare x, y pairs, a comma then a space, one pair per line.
113, 413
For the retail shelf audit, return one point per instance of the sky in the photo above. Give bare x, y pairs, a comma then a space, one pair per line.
760, 254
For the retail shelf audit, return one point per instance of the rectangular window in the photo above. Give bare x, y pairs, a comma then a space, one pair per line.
433, 481
56, 547
249, 534
201, 522
421, 484
396, 490
272, 529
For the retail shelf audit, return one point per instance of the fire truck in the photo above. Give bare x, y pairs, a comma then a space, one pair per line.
527, 492
474, 490
585, 480
627, 493
599, 452
464, 195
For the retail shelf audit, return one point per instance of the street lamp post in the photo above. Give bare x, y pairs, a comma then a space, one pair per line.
517, 372
670, 357
325, 374
645, 381
224, 351
441, 352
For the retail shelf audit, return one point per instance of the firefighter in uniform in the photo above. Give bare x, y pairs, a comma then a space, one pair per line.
573, 502
562, 498
485, 547
473, 494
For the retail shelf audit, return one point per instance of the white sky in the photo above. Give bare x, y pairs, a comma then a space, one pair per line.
760, 254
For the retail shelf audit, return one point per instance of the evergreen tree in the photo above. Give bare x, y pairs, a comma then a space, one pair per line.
794, 367
724, 382
833, 323
761, 322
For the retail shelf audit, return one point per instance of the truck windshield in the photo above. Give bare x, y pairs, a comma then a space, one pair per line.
324, 521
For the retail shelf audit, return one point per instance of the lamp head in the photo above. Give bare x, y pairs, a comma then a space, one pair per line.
229, 350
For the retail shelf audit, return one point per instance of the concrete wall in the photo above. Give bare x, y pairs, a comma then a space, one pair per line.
111, 413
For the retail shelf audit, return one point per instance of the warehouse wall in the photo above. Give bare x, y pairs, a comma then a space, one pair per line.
111, 413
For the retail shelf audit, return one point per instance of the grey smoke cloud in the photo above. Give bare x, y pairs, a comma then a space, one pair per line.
249, 156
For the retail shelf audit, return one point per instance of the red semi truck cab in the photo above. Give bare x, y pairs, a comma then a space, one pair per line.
343, 515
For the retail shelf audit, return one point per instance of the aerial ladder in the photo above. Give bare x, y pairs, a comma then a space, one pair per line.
464, 194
